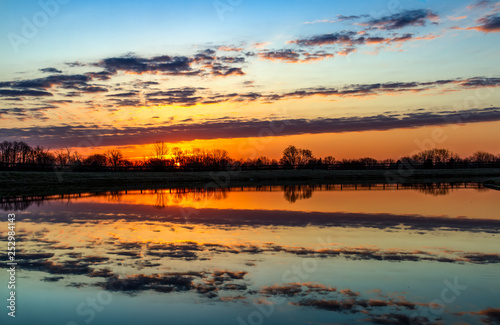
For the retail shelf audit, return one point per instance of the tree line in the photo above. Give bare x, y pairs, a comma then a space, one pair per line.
19, 153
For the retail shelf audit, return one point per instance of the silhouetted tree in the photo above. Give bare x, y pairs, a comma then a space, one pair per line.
293, 156
179, 156
328, 160
436, 156
114, 157
67, 157
160, 150
482, 157
95, 160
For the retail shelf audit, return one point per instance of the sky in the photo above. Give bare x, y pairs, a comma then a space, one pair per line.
351, 79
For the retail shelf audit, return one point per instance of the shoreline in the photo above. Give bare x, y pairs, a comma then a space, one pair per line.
52, 183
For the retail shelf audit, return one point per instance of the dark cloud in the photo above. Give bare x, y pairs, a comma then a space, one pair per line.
280, 55
21, 113
38, 87
127, 94
65, 81
206, 56
93, 89
23, 93
350, 40
101, 75
51, 70
342, 38
203, 63
75, 64
69, 135
174, 65
229, 59
352, 17
488, 24
417, 17
389, 87
147, 84
226, 71
292, 56
175, 96
478, 82
127, 103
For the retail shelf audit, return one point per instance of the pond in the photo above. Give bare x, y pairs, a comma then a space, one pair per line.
308, 254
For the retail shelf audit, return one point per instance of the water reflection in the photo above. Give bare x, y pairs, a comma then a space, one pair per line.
368, 254
291, 193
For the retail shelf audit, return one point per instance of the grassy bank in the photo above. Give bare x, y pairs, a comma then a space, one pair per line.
50, 183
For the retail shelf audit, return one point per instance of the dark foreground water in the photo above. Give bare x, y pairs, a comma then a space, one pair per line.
270, 255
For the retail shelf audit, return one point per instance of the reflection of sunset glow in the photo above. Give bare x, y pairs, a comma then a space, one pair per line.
348, 144
337, 198
138, 243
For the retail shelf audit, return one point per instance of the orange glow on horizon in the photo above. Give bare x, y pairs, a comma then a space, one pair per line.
392, 144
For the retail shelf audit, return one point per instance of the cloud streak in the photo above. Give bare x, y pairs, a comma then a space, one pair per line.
67, 135
407, 18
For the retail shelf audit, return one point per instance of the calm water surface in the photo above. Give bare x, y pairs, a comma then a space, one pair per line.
270, 255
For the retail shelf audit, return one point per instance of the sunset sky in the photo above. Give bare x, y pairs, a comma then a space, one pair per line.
344, 78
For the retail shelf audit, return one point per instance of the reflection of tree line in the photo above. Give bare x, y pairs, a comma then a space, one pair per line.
300, 192
166, 198
292, 193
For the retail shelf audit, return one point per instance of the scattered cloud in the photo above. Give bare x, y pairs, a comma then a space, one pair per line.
352, 39
291, 56
51, 70
491, 315
488, 24
407, 18
480, 4
261, 45
230, 48
456, 18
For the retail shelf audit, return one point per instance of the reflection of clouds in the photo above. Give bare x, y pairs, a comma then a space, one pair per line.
491, 315
138, 255
258, 218
237, 285
206, 283
378, 309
